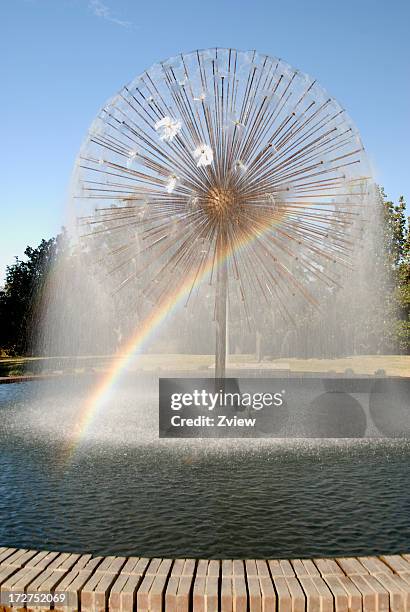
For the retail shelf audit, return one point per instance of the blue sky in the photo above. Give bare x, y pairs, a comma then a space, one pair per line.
62, 59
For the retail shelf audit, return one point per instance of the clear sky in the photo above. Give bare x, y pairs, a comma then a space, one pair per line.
61, 59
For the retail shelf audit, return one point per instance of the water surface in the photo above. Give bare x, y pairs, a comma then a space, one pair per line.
123, 492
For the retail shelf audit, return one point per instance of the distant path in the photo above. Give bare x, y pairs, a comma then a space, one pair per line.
136, 583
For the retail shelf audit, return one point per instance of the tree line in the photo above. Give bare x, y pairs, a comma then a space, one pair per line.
386, 330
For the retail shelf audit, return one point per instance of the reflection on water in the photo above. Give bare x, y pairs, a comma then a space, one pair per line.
123, 492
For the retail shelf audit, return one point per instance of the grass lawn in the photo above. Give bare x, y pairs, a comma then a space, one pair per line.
393, 365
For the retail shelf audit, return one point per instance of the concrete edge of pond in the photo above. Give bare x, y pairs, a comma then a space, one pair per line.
255, 373
71, 582
4, 380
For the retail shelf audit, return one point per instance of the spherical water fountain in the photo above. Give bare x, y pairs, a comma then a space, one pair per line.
227, 168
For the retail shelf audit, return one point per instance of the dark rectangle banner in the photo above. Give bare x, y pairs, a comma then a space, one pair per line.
284, 407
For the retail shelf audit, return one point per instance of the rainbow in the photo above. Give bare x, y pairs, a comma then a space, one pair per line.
142, 335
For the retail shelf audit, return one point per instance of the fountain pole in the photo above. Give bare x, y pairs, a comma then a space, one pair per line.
221, 308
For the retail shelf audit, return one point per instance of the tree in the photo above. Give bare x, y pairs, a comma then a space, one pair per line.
397, 260
395, 230
20, 297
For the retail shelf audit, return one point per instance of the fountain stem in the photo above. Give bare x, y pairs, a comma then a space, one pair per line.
221, 309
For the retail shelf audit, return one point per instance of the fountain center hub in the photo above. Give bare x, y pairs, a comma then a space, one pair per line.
222, 202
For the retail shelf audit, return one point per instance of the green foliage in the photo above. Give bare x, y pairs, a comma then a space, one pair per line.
22, 293
397, 259
396, 238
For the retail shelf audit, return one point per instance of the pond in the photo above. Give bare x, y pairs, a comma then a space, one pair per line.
112, 487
